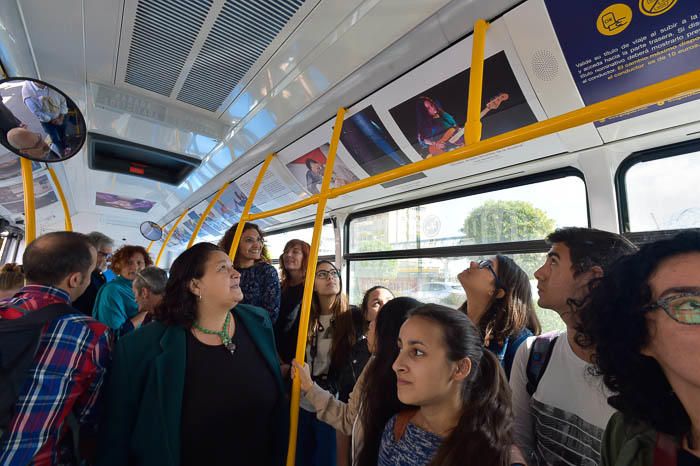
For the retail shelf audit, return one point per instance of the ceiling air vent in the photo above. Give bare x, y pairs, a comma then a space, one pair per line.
239, 36
162, 37
118, 156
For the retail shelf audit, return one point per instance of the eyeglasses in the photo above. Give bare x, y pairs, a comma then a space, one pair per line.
106, 255
684, 308
487, 264
326, 274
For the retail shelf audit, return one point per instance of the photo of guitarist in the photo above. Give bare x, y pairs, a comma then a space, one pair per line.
438, 131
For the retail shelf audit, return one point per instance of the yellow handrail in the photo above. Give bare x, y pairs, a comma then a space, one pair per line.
248, 205
472, 129
205, 214
150, 245
170, 233
66, 212
29, 210
309, 285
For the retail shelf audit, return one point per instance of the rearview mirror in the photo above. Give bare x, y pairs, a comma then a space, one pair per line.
39, 122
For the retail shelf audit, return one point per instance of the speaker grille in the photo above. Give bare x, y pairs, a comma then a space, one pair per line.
545, 65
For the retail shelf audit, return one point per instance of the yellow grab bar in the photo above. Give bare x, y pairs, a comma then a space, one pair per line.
64, 204
29, 210
170, 234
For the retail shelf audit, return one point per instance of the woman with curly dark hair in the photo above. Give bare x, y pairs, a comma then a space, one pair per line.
259, 280
201, 384
115, 302
456, 395
499, 302
643, 319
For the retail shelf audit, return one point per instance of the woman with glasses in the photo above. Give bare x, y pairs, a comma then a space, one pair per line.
499, 302
259, 281
201, 385
115, 302
331, 336
643, 321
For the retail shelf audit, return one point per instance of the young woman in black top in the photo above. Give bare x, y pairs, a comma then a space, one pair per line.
293, 263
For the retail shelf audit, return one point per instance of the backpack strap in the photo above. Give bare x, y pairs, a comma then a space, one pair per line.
402, 420
31, 318
665, 450
540, 353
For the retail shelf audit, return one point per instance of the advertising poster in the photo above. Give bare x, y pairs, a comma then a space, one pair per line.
122, 202
433, 121
231, 203
614, 47
368, 141
309, 168
10, 167
12, 197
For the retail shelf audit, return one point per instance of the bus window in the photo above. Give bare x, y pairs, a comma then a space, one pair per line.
661, 193
275, 241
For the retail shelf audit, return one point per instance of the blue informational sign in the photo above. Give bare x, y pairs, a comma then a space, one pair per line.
616, 46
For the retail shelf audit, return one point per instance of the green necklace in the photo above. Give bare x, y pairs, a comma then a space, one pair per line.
223, 333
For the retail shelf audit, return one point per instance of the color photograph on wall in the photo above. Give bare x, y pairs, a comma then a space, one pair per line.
309, 168
433, 121
122, 202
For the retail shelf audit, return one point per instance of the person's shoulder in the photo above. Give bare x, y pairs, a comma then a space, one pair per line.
145, 337
621, 430
266, 268
248, 310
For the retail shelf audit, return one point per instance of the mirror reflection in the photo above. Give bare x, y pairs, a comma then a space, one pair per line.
151, 231
39, 122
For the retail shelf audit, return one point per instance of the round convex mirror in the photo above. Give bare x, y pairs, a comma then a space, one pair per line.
151, 231
39, 122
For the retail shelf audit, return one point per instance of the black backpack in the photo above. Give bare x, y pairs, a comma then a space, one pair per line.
19, 342
540, 352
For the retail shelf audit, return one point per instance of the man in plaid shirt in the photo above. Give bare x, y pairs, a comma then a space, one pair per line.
72, 358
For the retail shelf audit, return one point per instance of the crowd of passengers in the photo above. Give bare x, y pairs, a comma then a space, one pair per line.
195, 367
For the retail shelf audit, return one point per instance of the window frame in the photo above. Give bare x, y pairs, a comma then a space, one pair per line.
515, 247
647, 155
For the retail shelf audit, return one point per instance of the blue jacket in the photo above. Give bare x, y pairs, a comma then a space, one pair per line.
115, 303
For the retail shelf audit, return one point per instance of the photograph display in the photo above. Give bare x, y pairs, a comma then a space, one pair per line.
309, 168
12, 197
433, 121
122, 202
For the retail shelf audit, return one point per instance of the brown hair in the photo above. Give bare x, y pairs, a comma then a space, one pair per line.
306, 252
125, 253
227, 240
11, 276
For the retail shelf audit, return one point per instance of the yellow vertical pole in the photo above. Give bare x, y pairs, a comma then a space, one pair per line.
205, 214
29, 212
150, 245
309, 285
170, 234
472, 130
248, 205
64, 204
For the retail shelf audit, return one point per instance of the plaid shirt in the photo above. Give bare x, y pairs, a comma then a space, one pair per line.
66, 377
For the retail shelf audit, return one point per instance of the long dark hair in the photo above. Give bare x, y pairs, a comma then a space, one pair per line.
641, 389
379, 400
484, 427
179, 305
508, 315
227, 240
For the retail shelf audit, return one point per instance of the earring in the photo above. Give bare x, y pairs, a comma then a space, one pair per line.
199, 297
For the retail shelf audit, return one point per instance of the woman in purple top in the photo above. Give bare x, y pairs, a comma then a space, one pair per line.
259, 280
456, 396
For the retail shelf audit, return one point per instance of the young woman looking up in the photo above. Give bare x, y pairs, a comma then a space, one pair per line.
293, 263
457, 392
259, 281
499, 302
381, 340
643, 321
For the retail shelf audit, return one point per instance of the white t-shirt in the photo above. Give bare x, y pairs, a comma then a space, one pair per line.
320, 364
563, 422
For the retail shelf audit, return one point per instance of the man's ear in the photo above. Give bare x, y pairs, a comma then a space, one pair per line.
464, 367
75, 279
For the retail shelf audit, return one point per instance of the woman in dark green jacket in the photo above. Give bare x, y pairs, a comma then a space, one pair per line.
643, 321
202, 384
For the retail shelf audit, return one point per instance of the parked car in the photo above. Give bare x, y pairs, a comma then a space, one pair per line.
448, 293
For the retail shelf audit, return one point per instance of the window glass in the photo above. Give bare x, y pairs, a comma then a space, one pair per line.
276, 241
519, 213
662, 194
434, 280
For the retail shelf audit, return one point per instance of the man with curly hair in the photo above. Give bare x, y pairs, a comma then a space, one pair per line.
560, 409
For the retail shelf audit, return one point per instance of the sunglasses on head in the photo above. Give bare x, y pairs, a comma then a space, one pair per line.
488, 264
684, 308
